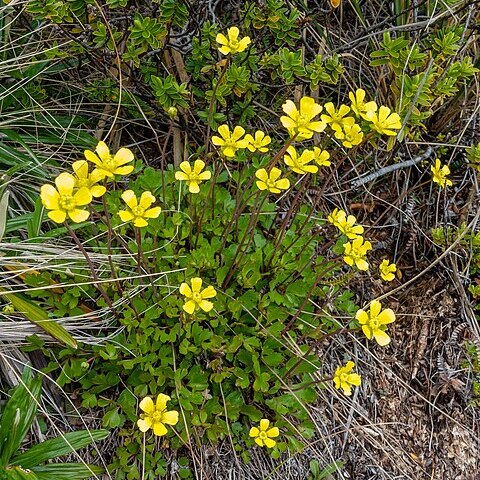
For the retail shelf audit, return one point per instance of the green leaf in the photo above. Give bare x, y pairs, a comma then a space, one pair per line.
40, 318
18, 415
66, 471
35, 221
17, 473
56, 447
3, 212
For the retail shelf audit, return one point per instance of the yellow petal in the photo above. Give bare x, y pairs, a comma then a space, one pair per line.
206, 175
208, 292
147, 405
233, 33
90, 156
159, 429
259, 441
185, 167
146, 199
140, 222
144, 424
375, 308
78, 215
309, 107
181, 176
123, 170
254, 432
96, 176
362, 316
290, 109
50, 197
225, 50
57, 216
262, 175
273, 432
65, 183
102, 150
189, 306
83, 196
381, 337
224, 131
221, 39
355, 379
218, 141
261, 185
161, 403
269, 442
80, 168
123, 156
152, 212
264, 424
185, 290
170, 418
97, 191
125, 215
361, 264
367, 331
283, 183
243, 44
198, 166
196, 284
193, 187
129, 197
205, 305
387, 316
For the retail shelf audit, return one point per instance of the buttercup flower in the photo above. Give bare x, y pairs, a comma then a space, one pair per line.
263, 435
259, 143
229, 143
156, 415
138, 211
335, 216
336, 118
62, 202
373, 323
271, 182
358, 103
347, 226
350, 135
89, 180
110, 165
196, 298
384, 121
321, 157
301, 122
299, 164
387, 270
232, 44
439, 174
344, 379
193, 176
355, 252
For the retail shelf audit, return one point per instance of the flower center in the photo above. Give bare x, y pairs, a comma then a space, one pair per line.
262, 435
233, 44
138, 211
374, 323
344, 377
271, 183
109, 163
157, 416
197, 297
67, 202
83, 182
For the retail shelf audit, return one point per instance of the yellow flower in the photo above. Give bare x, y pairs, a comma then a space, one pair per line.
359, 106
336, 118
156, 415
387, 270
259, 143
230, 142
299, 164
193, 176
321, 157
350, 135
335, 216
384, 121
138, 211
62, 202
271, 182
301, 122
263, 435
88, 180
355, 252
344, 379
439, 174
232, 44
108, 164
373, 323
196, 297
347, 226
